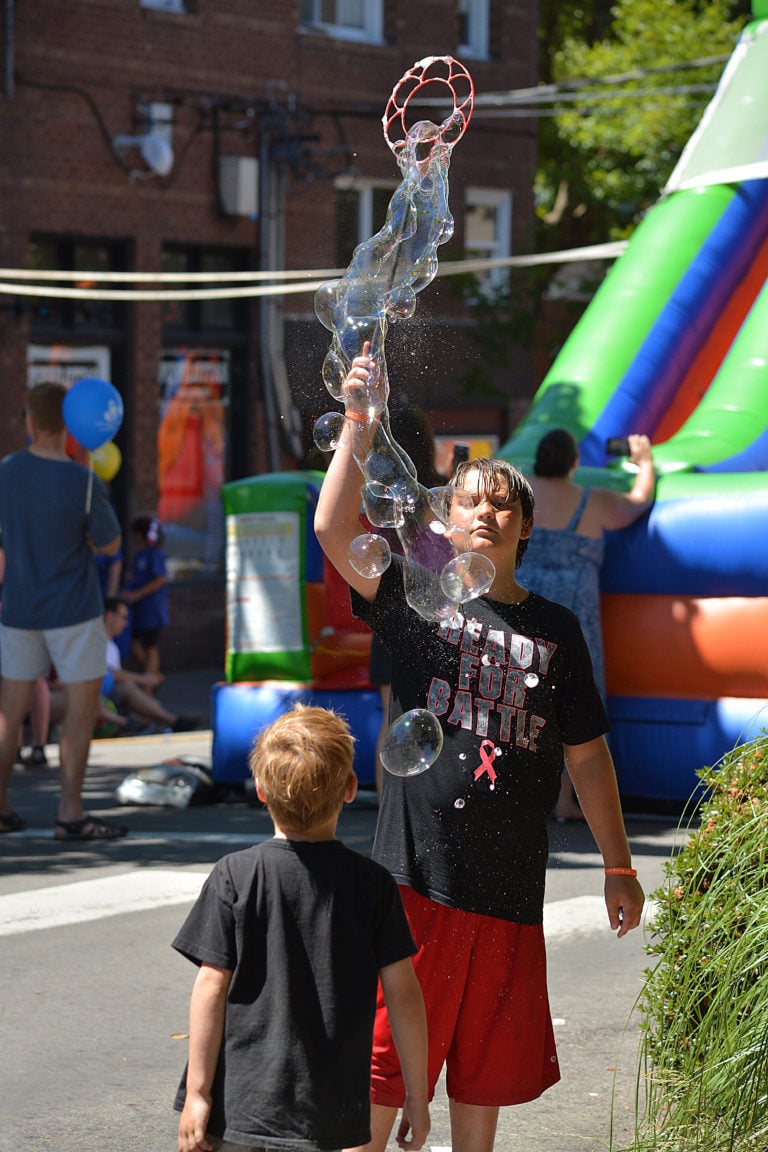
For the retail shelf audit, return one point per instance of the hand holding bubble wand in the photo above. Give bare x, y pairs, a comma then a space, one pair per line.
386, 272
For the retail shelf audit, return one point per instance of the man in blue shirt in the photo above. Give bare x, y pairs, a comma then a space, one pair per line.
54, 515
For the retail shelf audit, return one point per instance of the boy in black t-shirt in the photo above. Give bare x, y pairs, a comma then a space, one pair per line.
291, 936
509, 678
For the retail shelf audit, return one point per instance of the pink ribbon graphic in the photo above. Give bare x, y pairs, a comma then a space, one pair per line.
486, 761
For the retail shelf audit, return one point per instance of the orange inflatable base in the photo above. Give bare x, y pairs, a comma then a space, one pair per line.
678, 646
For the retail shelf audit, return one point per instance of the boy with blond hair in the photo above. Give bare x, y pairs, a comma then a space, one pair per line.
291, 936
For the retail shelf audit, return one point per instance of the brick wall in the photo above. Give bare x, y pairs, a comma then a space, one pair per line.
81, 69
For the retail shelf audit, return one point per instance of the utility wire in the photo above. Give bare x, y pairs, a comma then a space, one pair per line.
311, 280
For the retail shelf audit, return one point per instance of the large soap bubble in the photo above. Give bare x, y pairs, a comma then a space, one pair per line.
412, 743
380, 286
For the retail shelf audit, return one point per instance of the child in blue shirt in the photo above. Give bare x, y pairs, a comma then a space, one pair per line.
147, 592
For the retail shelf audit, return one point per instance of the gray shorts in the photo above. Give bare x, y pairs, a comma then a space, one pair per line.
78, 652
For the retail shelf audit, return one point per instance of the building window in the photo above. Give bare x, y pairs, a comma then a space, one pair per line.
488, 230
361, 209
344, 19
189, 316
84, 316
204, 342
195, 386
473, 28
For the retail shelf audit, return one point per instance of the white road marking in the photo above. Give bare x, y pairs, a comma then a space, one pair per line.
577, 915
234, 838
93, 899
148, 888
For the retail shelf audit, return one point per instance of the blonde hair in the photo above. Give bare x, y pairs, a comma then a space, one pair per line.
303, 763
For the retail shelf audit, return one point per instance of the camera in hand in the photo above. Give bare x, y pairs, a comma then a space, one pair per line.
617, 446
460, 455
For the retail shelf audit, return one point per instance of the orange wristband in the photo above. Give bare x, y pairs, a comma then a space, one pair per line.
358, 416
621, 872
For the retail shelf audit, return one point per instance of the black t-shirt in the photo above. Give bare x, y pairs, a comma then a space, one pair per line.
510, 684
304, 928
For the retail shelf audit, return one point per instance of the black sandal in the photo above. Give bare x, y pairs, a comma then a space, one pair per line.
89, 828
10, 822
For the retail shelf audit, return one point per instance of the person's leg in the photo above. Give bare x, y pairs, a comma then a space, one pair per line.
40, 718
39, 724
473, 1126
81, 706
15, 703
138, 652
382, 1122
132, 697
152, 659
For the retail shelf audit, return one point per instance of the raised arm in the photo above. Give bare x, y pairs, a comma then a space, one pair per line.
620, 509
408, 1021
593, 776
337, 518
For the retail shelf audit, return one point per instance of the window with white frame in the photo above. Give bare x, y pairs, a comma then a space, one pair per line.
361, 209
345, 19
473, 28
488, 229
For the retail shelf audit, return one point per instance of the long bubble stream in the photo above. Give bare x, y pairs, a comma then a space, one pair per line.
380, 286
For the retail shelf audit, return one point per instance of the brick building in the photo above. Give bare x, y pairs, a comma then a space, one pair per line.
220, 137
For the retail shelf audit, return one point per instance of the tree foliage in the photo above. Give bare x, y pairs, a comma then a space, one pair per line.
604, 161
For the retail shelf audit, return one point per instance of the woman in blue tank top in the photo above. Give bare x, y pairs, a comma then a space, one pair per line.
565, 550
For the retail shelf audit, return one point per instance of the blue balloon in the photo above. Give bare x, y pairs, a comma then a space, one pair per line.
108, 683
93, 411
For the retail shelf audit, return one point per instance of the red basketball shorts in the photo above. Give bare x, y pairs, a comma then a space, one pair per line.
485, 988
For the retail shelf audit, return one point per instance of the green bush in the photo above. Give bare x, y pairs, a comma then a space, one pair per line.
704, 1027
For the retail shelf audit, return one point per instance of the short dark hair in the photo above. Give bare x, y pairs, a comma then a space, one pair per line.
149, 528
45, 404
112, 603
556, 454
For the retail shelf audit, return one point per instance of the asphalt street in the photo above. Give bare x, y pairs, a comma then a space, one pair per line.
94, 1001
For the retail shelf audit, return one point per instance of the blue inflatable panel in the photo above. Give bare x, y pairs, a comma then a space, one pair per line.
240, 711
660, 744
692, 548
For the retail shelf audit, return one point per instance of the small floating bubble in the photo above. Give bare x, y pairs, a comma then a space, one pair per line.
327, 431
530, 680
412, 744
369, 555
459, 803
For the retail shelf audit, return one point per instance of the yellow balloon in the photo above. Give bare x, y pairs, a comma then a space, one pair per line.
106, 461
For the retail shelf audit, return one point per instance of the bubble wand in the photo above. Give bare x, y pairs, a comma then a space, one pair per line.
380, 285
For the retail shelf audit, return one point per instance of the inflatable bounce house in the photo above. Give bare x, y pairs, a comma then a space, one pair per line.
675, 345
290, 633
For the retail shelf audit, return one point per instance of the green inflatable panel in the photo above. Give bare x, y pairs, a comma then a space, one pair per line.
271, 554
593, 361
